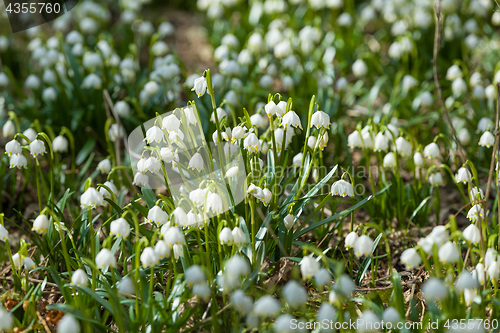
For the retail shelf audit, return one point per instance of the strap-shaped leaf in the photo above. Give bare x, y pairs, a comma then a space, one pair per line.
339, 215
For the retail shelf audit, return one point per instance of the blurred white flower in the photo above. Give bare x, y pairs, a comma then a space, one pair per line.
41, 224
363, 246
105, 258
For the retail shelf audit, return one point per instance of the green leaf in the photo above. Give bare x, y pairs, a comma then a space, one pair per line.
87, 148
140, 208
98, 298
149, 197
343, 213
366, 262
80, 315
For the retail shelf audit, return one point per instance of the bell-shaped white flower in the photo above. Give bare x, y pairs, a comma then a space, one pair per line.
252, 143
91, 198
237, 133
465, 280
311, 142
267, 307
79, 278
367, 140
171, 123
458, 86
256, 191
389, 161
493, 271
13, 148
476, 194
122, 108
178, 251
480, 273
162, 250
200, 86
18, 161
431, 150
194, 275
449, 253
391, 315
8, 129
475, 212
363, 246
469, 295
174, 236
418, 160
232, 172
403, 147
214, 203
140, 179
326, 313
105, 193
322, 278
197, 196
354, 140
241, 302
487, 139
41, 224
436, 179
291, 119
29, 264
149, 257
272, 109
454, 72
68, 324
381, 142
221, 113
37, 147
463, 175
104, 166
359, 68
30, 133
297, 160
120, 228
351, 239
60, 144
472, 234
294, 294
320, 119
434, 289
345, 286
152, 165
116, 132
4, 234
105, 258
196, 162
154, 134
342, 189
289, 221
333, 298
410, 258
157, 216
226, 236
151, 88
309, 267
267, 196
127, 286
203, 291
239, 236
167, 154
